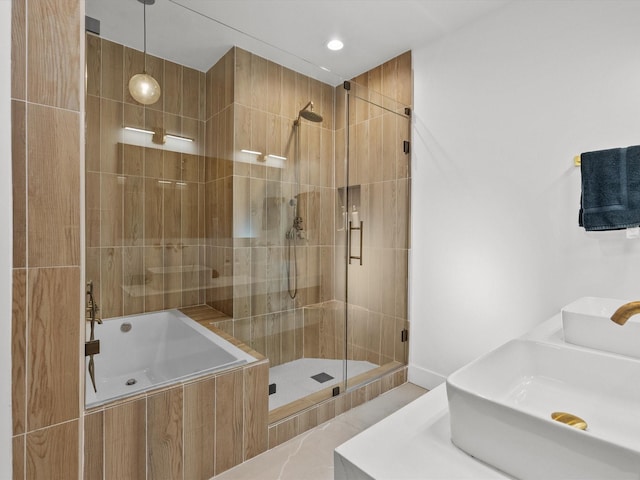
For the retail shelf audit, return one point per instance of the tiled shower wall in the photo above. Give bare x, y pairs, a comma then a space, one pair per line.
253, 105
145, 203
47, 90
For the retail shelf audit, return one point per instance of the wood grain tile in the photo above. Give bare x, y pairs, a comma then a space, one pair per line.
93, 64
164, 435
125, 441
18, 172
229, 420
52, 452
18, 462
92, 209
155, 68
133, 63
92, 133
112, 63
199, 429
111, 282
132, 210
18, 49
153, 218
256, 410
93, 446
287, 430
53, 181
191, 93
405, 79
172, 87
52, 346
53, 57
242, 84
133, 278
111, 115
18, 350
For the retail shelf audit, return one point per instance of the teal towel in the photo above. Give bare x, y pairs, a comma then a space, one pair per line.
610, 189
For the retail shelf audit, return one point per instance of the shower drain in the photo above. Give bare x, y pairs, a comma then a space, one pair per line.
131, 381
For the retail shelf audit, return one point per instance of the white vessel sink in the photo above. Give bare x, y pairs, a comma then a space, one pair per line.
587, 322
501, 404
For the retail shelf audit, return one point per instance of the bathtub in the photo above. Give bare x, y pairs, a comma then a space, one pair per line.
142, 352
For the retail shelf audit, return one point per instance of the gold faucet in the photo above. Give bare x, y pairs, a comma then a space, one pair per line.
625, 312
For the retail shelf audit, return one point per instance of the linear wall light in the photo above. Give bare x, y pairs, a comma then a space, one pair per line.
277, 157
141, 130
251, 152
179, 137
159, 133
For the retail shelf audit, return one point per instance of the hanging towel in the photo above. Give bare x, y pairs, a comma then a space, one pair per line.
610, 197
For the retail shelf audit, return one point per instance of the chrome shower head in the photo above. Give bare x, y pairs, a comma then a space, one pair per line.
308, 114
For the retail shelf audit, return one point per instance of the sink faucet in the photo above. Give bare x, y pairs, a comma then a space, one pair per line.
625, 312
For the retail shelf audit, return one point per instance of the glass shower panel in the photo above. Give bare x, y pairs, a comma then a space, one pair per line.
376, 208
282, 235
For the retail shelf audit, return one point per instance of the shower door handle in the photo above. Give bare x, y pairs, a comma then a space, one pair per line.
361, 230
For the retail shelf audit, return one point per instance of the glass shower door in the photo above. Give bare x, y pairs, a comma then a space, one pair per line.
374, 199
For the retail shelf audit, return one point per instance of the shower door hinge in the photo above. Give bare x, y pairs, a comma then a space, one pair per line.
347, 85
406, 146
272, 388
407, 111
404, 335
336, 391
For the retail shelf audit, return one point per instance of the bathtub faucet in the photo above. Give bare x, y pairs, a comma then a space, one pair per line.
92, 347
625, 312
92, 307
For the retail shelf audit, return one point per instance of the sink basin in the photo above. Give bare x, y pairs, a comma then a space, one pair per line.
587, 322
501, 405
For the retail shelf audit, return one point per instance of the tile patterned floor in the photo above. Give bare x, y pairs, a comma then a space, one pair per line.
310, 456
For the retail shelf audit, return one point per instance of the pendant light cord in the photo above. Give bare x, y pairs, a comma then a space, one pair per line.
144, 22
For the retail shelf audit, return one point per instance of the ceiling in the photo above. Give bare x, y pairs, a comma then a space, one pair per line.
293, 33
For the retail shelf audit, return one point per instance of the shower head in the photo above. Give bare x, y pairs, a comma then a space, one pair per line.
308, 114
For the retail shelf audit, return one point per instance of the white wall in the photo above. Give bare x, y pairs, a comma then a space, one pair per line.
6, 237
501, 108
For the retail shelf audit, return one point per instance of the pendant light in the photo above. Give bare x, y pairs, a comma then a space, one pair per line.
142, 86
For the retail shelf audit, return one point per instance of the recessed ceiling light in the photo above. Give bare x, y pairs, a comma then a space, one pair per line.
335, 44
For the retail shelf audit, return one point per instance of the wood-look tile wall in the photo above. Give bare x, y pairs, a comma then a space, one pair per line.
47, 88
144, 204
253, 105
190, 431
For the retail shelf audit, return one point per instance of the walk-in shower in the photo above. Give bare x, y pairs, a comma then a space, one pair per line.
296, 232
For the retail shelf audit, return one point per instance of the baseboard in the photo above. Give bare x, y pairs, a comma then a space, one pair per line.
425, 378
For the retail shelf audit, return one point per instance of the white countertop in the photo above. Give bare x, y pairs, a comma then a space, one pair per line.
415, 442
412, 443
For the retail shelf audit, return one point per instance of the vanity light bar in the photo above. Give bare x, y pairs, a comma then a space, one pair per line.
151, 132
251, 152
178, 137
277, 157
141, 130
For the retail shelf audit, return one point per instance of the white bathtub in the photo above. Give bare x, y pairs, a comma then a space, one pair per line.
158, 349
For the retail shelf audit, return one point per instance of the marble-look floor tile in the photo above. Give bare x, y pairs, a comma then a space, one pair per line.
310, 456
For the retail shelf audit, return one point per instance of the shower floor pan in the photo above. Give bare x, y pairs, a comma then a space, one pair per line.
294, 380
